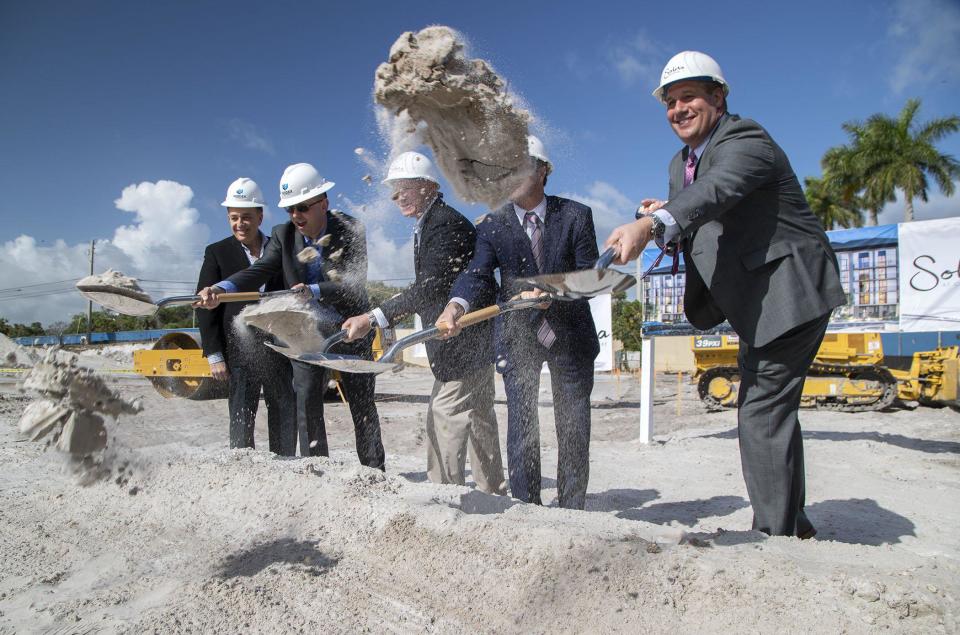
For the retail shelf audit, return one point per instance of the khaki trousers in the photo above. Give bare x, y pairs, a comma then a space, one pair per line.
460, 418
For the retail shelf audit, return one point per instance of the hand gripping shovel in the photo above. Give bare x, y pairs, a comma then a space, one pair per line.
587, 283
392, 357
136, 303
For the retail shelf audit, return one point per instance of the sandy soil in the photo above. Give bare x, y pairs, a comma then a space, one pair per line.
188, 536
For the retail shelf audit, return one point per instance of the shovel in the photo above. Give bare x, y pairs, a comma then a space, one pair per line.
391, 358
131, 302
587, 283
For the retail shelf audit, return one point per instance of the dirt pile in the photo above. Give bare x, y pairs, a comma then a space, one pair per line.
111, 279
12, 355
477, 133
71, 401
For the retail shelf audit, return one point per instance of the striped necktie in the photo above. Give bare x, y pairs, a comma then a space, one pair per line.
545, 334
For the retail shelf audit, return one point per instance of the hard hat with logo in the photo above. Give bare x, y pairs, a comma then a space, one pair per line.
301, 182
411, 165
537, 151
244, 192
688, 65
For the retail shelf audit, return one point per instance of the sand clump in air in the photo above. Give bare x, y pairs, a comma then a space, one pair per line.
288, 318
114, 280
477, 133
70, 404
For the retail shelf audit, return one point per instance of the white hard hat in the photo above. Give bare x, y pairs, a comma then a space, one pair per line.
301, 182
537, 151
244, 192
411, 165
690, 65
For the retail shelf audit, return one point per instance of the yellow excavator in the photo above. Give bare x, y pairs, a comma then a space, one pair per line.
177, 368
849, 374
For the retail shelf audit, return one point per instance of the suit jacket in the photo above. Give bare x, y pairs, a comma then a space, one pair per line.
344, 269
444, 248
754, 252
221, 260
570, 243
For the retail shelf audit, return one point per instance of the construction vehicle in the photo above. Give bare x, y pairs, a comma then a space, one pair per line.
177, 368
849, 374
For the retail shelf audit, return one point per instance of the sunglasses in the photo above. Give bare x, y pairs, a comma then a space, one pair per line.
303, 208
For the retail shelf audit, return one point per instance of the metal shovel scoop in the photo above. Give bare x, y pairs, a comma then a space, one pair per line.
131, 302
587, 283
392, 356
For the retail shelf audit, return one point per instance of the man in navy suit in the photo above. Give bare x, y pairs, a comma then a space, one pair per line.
537, 234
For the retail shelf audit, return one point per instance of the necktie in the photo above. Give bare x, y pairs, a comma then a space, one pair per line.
545, 334
690, 168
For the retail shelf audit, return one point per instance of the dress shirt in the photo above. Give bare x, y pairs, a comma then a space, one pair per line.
671, 230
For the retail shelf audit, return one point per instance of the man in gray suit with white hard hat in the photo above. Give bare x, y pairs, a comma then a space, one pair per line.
756, 256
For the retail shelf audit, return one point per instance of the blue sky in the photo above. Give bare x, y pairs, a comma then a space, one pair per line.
123, 122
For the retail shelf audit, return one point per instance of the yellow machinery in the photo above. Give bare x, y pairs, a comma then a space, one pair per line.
177, 368
848, 374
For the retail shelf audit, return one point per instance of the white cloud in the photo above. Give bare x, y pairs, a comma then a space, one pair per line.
938, 206
164, 243
638, 60
610, 206
926, 35
248, 136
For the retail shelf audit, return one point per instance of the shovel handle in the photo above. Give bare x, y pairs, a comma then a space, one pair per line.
480, 315
242, 296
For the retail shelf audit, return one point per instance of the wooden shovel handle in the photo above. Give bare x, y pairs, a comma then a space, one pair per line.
479, 316
244, 296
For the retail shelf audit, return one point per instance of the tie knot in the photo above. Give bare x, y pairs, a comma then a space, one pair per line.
692, 158
532, 218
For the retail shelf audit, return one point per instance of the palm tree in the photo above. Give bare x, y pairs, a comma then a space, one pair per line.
849, 174
890, 154
828, 203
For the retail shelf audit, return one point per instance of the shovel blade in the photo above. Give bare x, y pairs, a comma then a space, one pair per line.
120, 302
583, 284
335, 361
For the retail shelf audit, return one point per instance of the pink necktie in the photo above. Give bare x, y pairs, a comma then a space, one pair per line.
690, 168
545, 334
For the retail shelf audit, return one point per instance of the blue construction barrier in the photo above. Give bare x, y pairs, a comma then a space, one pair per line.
76, 339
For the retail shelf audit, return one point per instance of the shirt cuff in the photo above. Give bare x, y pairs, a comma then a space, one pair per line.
671, 229
215, 358
463, 303
315, 290
381, 319
227, 286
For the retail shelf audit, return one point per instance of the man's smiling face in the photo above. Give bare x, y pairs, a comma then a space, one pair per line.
693, 109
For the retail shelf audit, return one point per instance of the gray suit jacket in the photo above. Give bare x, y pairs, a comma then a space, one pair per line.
754, 252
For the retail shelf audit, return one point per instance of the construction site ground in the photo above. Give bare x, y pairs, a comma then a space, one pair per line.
182, 534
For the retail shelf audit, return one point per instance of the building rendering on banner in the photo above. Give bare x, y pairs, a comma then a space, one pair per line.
868, 272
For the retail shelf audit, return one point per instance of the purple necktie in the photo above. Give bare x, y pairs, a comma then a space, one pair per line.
545, 334
690, 168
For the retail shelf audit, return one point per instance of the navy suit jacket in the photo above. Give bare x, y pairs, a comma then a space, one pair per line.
570, 243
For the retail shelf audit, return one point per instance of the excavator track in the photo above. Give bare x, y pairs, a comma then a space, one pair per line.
837, 387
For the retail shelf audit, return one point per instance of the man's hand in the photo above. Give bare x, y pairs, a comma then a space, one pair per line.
219, 371
630, 239
649, 205
447, 322
357, 327
209, 298
535, 293
305, 294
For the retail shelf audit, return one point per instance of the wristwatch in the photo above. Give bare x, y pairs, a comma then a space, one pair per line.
658, 225
373, 320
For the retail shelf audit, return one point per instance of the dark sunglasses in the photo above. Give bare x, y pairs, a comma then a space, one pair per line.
303, 208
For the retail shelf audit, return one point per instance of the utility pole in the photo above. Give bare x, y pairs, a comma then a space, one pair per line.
90, 302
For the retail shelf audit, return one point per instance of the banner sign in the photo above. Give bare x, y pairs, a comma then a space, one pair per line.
602, 309
929, 262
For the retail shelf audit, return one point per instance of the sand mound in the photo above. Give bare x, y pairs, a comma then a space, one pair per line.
114, 280
477, 134
70, 399
12, 355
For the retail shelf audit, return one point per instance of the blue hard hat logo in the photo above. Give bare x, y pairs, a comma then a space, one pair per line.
284, 186
240, 191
